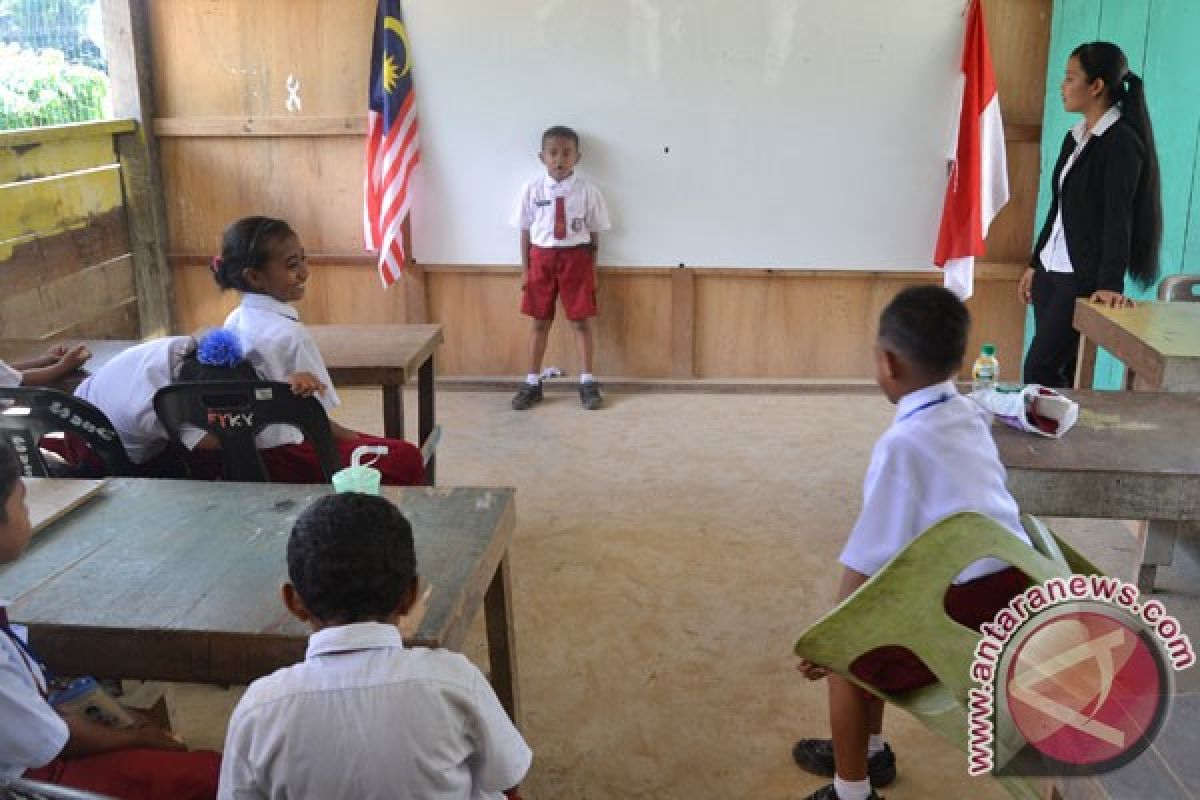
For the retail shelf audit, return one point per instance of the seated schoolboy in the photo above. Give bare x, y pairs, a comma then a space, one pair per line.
364, 716
144, 762
55, 364
937, 459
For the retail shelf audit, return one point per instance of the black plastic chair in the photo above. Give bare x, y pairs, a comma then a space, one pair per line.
237, 411
27, 414
24, 789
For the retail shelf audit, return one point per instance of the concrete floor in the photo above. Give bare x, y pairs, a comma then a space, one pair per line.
668, 552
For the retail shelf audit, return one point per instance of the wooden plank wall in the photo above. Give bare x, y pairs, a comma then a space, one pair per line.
230, 147
65, 261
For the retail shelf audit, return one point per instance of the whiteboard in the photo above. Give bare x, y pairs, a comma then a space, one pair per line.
756, 133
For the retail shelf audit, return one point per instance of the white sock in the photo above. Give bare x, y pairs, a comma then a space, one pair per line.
852, 790
533, 379
875, 744
586, 378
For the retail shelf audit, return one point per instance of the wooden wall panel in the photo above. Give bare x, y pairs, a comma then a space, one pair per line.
821, 326
1019, 35
1010, 238
232, 58
313, 183
64, 236
487, 335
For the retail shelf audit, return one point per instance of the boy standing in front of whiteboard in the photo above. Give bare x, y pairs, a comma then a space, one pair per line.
560, 216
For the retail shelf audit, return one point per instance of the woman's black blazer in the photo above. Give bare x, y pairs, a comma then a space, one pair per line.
1097, 204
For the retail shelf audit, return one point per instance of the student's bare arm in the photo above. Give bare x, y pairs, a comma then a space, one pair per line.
524, 257
851, 581
87, 738
54, 365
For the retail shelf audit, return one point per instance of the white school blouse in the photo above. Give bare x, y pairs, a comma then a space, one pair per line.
278, 346
938, 458
124, 390
9, 376
1054, 255
365, 718
32, 734
585, 210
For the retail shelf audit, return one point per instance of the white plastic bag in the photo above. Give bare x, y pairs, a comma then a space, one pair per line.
1032, 408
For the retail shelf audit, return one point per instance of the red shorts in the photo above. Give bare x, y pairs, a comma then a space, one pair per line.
569, 271
144, 774
297, 463
896, 669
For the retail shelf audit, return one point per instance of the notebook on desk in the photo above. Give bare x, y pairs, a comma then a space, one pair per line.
51, 499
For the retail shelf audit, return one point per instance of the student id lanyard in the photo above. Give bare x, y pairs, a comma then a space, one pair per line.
937, 401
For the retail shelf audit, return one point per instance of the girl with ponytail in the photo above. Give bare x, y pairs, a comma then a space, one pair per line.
1105, 218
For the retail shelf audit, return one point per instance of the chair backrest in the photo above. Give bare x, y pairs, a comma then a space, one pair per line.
1180, 288
903, 604
237, 411
25, 789
27, 414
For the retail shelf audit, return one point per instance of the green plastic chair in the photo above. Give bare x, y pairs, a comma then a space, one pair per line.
902, 604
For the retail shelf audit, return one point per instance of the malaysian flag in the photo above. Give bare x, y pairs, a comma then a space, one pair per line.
392, 152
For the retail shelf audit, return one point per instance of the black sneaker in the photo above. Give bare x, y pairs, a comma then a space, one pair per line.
829, 793
816, 756
529, 394
589, 395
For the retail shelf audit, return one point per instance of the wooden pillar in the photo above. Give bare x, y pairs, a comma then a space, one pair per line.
416, 299
127, 43
683, 323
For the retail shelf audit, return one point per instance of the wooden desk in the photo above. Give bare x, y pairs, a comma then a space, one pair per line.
179, 580
1132, 455
386, 356
1159, 343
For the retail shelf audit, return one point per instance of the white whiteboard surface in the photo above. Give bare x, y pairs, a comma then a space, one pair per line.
755, 133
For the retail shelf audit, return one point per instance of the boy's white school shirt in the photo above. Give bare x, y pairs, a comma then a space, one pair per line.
124, 390
364, 718
278, 345
32, 734
938, 458
585, 210
9, 376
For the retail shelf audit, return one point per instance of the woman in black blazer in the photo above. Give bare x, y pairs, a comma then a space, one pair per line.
1105, 218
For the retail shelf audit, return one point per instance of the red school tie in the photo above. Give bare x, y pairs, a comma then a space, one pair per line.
560, 218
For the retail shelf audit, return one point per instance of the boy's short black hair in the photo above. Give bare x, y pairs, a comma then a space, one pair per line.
10, 473
928, 326
560, 132
351, 558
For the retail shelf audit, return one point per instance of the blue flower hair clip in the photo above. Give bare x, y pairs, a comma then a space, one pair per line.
219, 347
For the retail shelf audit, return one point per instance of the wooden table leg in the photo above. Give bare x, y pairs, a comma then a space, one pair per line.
1085, 364
1158, 550
393, 411
502, 650
426, 413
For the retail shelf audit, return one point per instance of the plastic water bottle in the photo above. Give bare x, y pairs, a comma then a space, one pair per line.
986, 369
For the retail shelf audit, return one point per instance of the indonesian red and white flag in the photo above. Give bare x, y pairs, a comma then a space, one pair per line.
978, 184
392, 152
